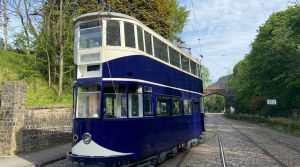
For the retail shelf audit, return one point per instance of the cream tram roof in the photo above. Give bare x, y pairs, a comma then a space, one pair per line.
97, 15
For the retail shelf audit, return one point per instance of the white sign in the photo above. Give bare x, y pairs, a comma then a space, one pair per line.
271, 101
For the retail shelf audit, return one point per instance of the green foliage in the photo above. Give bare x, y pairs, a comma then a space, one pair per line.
289, 126
271, 70
38, 92
214, 103
205, 76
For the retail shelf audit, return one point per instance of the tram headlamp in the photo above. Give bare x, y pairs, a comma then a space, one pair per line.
86, 138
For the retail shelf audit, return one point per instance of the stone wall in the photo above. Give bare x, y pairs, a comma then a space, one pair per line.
30, 129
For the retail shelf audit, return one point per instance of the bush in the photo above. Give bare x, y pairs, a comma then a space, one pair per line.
284, 125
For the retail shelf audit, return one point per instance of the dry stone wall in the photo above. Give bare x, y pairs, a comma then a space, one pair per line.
30, 129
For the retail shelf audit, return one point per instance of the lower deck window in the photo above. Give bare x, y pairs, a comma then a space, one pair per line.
187, 107
135, 100
88, 102
177, 106
148, 105
115, 105
162, 105
196, 107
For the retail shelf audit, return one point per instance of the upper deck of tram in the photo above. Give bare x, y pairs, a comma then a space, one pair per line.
104, 36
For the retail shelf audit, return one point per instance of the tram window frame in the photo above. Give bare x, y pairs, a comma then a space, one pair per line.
167, 100
193, 67
129, 35
173, 54
187, 103
90, 29
160, 50
198, 110
185, 63
148, 101
140, 39
117, 93
85, 93
113, 33
135, 91
148, 42
177, 99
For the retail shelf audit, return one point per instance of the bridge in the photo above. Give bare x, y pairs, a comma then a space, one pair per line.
211, 91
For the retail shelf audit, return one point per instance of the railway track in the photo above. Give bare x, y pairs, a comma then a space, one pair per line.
222, 156
256, 144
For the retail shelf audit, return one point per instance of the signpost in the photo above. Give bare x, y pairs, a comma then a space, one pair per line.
270, 102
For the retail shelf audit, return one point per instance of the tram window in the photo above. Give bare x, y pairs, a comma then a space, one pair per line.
113, 33
198, 70
93, 68
187, 107
90, 34
115, 101
140, 38
162, 105
185, 63
129, 35
148, 105
176, 106
148, 43
193, 67
199, 66
196, 107
147, 89
174, 57
160, 50
88, 101
135, 100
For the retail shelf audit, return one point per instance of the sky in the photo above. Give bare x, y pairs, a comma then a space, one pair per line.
226, 29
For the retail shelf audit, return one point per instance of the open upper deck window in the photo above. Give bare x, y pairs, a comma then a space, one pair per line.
90, 34
113, 33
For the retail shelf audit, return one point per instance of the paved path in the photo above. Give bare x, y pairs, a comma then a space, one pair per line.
38, 158
244, 144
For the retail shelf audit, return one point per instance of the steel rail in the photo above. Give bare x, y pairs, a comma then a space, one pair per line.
222, 156
257, 145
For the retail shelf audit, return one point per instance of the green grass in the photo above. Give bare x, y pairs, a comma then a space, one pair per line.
38, 92
284, 125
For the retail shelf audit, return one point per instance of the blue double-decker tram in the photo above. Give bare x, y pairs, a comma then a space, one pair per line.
137, 96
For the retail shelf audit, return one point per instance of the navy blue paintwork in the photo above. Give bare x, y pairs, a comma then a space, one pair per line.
142, 136
146, 68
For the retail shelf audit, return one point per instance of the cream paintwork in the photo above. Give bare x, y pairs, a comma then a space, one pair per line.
94, 149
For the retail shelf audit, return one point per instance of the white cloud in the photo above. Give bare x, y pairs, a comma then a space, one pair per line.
226, 29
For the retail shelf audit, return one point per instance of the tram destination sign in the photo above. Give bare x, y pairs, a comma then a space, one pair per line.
271, 101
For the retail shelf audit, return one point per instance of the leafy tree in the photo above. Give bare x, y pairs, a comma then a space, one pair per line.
214, 103
271, 70
205, 76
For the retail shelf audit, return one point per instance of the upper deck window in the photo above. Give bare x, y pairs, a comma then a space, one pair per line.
113, 33
90, 34
148, 43
129, 35
185, 63
140, 38
193, 68
174, 57
160, 50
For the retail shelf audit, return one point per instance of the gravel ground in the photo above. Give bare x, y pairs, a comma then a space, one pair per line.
238, 148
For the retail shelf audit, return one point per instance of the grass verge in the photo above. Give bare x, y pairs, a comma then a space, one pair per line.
38, 92
280, 124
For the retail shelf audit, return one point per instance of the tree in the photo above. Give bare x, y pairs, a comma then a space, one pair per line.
271, 69
205, 76
4, 19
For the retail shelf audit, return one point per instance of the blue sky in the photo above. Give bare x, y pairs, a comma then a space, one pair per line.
226, 29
